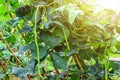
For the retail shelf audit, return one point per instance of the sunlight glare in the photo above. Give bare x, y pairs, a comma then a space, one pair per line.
109, 4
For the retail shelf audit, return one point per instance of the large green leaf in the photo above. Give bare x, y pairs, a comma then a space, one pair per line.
22, 11
19, 72
50, 40
23, 49
43, 53
32, 47
31, 65
58, 61
72, 13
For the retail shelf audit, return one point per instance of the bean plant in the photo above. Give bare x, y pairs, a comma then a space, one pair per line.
58, 40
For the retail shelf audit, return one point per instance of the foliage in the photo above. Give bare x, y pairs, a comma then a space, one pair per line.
57, 39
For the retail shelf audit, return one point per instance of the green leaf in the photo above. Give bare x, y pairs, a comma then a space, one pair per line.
2, 75
100, 49
43, 53
2, 8
62, 74
58, 61
19, 72
13, 22
58, 23
76, 75
61, 9
47, 24
50, 40
99, 25
53, 41
116, 66
22, 11
58, 32
38, 19
87, 53
31, 65
23, 49
11, 39
32, 47
2, 45
14, 3
73, 51
72, 13
2, 1
26, 28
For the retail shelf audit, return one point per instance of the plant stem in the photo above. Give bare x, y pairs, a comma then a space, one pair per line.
36, 41
66, 39
106, 63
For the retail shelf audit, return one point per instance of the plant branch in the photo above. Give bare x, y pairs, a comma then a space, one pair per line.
8, 47
76, 61
81, 62
3, 67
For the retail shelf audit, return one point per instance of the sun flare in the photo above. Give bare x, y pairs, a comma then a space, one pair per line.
109, 4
